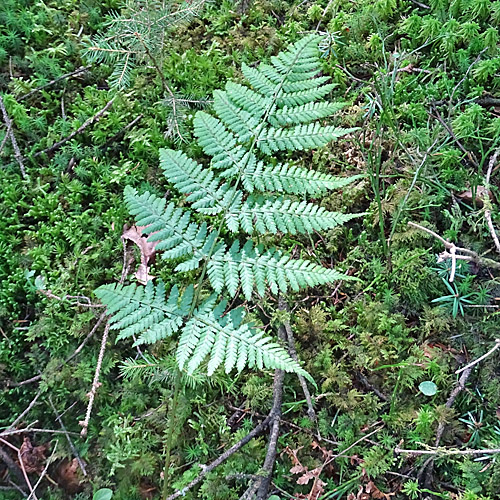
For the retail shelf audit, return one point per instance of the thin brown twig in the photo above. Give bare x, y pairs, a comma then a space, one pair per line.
24, 413
23, 468
487, 201
75, 353
262, 485
44, 472
70, 443
478, 360
78, 71
79, 130
8, 123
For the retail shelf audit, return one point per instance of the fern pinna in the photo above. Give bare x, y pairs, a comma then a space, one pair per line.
244, 196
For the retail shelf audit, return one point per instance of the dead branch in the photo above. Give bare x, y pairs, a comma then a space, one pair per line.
23, 468
70, 443
10, 133
44, 472
77, 72
95, 384
444, 452
87, 123
25, 412
293, 354
487, 200
77, 351
454, 252
484, 356
262, 485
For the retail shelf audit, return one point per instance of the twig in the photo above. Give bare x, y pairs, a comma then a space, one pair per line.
95, 384
206, 469
487, 201
293, 354
428, 465
88, 122
25, 412
121, 132
32, 494
469, 256
77, 351
11, 465
10, 133
71, 445
443, 452
421, 5
21, 463
478, 360
81, 69
262, 485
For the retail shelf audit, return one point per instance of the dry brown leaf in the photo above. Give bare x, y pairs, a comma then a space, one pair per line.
33, 457
481, 193
372, 489
147, 249
68, 477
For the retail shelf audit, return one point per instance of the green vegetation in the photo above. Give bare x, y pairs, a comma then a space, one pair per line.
298, 215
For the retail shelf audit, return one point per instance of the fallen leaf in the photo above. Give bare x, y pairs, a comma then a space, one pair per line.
481, 193
33, 457
68, 476
147, 249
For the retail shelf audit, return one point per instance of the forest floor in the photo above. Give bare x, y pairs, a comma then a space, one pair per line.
405, 359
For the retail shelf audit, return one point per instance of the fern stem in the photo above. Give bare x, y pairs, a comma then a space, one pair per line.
172, 412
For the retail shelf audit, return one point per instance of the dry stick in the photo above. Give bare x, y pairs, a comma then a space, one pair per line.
96, 384
44, 472
5, 139
470, 256
21, 463
487, 201
11, 465
81, 69
293, 354
209, 468
121, 132
484, 356
429, 463
71, 445
36, 378
10, 133
35, 429
262, 486
443, 452
88, 122
25, 412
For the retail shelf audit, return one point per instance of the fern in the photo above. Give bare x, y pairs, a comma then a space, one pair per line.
241, 194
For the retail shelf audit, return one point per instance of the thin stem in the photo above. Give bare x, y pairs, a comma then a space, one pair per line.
171, 429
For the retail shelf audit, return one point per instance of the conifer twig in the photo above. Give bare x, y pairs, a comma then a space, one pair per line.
10, 133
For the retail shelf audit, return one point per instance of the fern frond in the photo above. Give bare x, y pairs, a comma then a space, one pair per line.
290, 179
144, 311
270, 215
304, 114
166, 224
224, 340
253, 267
300, 137
188, 177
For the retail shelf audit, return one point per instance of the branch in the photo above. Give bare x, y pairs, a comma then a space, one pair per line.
487, 200
78, 71
90, 121
484, 356
10, 133
451, 251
